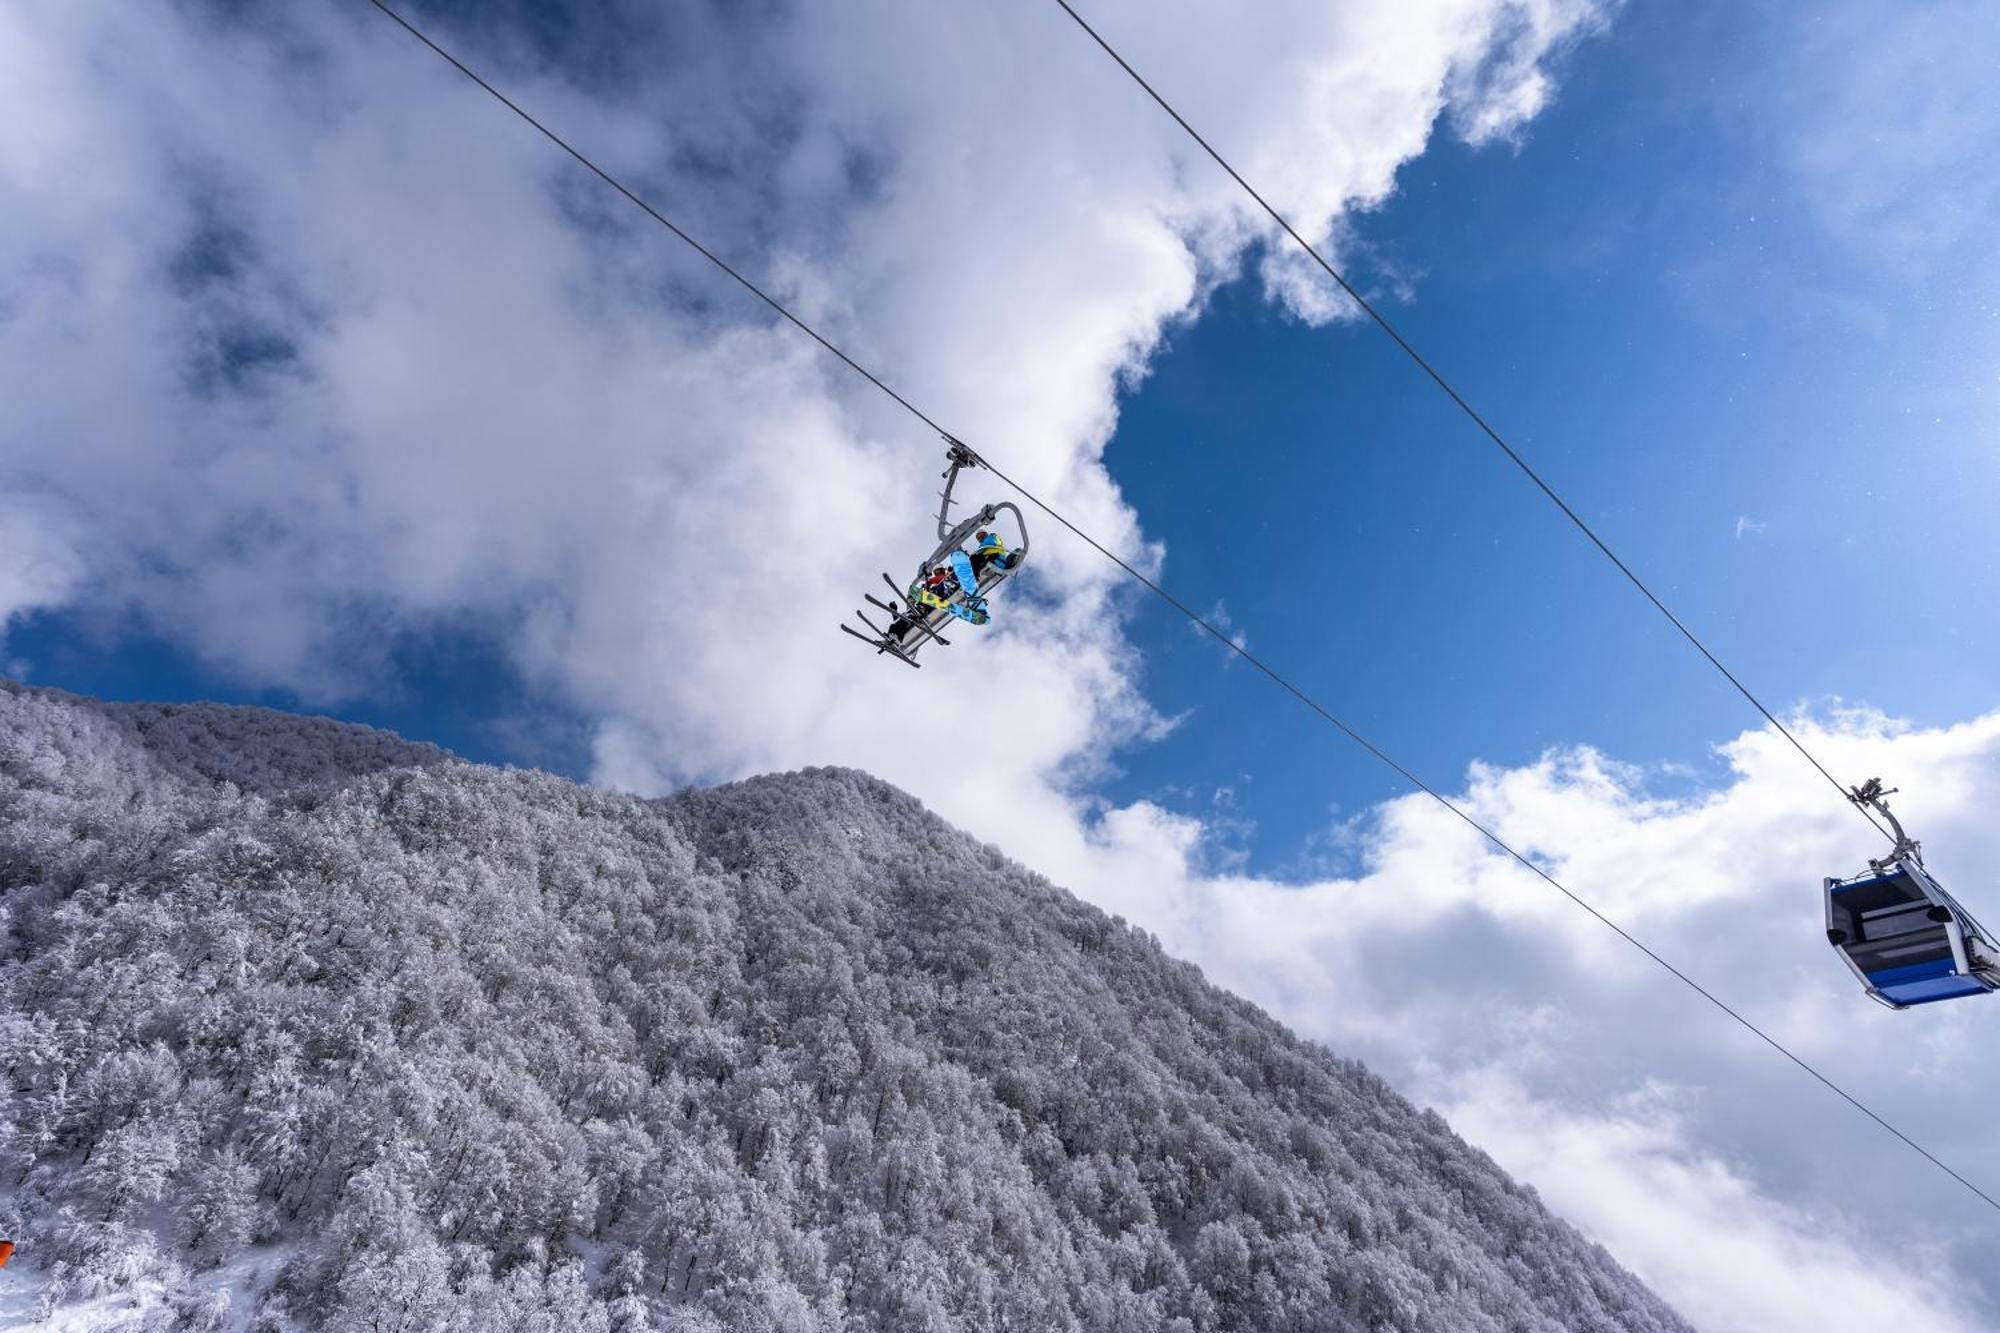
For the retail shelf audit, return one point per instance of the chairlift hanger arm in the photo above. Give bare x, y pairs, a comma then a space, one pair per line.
951, 535
960, 457
1872, 795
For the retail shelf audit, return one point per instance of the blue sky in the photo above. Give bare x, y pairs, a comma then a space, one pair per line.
531, 483
452, 687
1638, 303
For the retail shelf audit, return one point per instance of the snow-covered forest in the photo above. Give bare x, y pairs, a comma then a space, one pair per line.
308, 1027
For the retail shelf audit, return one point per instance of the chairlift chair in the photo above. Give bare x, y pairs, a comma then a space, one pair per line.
913, 624
1905, 939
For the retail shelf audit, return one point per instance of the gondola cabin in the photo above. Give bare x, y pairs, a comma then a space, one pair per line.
1906, 939
1898, 931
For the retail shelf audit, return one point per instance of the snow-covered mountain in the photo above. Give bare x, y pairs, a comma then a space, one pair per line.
308, 1027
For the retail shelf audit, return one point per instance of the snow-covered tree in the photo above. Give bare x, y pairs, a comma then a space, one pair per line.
447, 1047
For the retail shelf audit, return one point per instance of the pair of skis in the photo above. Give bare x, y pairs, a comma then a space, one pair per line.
884, 642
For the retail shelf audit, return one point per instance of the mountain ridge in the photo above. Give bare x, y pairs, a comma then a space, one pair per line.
461, 1047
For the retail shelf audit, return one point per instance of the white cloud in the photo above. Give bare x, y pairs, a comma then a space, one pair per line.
1886, 120
1748, 1195
39, 561
1690, 1224
1218, 616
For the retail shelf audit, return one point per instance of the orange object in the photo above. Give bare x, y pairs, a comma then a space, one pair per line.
6, 1252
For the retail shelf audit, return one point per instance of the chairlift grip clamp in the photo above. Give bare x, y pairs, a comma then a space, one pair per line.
960, 454
1872, 795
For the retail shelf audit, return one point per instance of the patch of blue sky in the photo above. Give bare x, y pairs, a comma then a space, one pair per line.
1787, 434
454, 687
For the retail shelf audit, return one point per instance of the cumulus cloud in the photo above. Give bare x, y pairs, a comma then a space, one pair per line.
39, 563
1745, 1192
1689, 1223
308, 347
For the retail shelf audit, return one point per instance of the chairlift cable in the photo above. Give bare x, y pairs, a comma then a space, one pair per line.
1196, 618
1471, 412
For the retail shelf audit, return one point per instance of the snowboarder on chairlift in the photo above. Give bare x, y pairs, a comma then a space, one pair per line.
967, 604
991, 553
